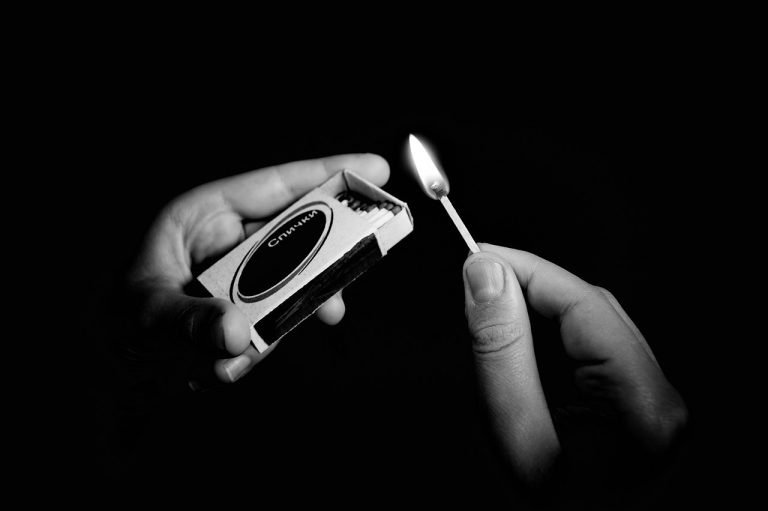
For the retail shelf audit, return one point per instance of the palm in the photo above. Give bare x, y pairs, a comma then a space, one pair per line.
215, 230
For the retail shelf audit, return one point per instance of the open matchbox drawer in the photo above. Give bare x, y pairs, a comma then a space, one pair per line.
281, 274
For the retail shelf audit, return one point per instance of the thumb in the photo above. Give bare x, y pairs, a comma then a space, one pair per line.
506, 365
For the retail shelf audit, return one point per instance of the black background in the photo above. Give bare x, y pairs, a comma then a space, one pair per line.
599, 172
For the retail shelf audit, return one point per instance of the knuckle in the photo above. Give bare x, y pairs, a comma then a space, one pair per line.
605, 293
195, 321
663, 417
670, 418
188, 321
590, 299
492, 337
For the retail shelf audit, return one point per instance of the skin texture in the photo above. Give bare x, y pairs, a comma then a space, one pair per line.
204, 224
614, 368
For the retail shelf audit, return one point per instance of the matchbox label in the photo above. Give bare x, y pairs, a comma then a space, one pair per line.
282, 254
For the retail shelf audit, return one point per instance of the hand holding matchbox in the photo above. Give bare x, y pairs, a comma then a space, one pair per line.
325, 240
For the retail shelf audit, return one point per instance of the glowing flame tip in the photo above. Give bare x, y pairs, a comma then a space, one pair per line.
430, 177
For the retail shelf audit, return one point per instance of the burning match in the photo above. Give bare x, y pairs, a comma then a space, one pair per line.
435, 185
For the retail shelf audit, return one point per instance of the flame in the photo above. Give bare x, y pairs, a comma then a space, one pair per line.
431, 178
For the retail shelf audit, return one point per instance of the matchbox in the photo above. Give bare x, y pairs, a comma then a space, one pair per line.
282, 273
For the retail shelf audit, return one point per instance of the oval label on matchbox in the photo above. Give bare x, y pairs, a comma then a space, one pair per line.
283, 253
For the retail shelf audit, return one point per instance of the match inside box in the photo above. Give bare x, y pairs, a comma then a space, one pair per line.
282, 273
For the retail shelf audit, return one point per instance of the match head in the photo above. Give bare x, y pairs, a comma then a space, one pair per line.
439, 188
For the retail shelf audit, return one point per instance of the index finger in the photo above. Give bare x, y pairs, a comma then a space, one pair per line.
262, 192
592, 330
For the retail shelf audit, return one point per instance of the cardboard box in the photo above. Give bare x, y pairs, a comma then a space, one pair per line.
281, 274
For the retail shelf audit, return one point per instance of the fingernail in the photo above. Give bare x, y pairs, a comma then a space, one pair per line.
486, 279
236, 367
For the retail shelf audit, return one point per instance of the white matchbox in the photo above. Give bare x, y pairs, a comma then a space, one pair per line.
281, 274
